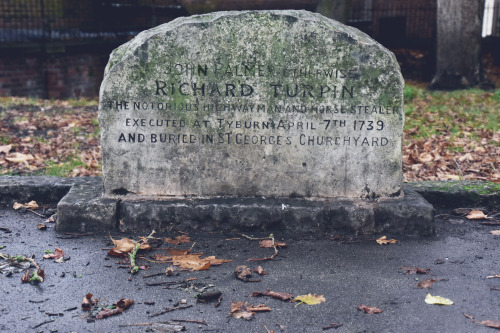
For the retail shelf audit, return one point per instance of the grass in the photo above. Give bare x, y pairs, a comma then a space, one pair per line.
458, 113
63, 169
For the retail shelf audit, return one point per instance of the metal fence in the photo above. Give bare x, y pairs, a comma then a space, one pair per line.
37, 21
396, 24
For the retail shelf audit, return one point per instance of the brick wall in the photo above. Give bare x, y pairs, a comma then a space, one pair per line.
60, 75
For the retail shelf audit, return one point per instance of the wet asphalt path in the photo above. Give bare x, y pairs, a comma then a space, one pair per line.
346, 269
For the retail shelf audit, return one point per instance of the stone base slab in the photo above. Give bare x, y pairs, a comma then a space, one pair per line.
84, 209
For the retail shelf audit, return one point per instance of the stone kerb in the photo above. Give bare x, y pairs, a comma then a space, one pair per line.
254, 103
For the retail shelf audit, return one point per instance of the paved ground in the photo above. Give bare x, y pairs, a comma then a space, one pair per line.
347, 270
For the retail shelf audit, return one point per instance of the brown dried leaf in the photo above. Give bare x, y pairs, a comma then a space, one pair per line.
41, 226
124, 303
30, 205
495, 232
415, 270
268, 243
369, 309
246, 310
193, 262
273, 294
491, 323
169, 271
259, 270
104, 313
177, 252
58, 253
383, 240
243, 272
88, 302
178, 240
426, 283
126, 245
476, 215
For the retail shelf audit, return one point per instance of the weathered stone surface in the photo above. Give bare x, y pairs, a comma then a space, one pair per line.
457, 194
42, 189
261, 103
84, 209
409, 215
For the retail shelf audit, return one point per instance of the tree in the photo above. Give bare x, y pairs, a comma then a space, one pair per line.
458, 62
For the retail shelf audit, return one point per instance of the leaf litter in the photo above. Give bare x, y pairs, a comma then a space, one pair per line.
369, 309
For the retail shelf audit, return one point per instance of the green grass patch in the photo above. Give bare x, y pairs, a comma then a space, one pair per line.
451, 113
63, 169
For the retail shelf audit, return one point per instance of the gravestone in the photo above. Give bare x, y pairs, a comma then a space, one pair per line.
280, 115
252, 104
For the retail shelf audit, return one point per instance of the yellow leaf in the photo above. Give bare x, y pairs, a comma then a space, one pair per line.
437, 300
476, 215
383, 240
310, 299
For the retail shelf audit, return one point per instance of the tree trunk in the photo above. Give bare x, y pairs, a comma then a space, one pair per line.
459, 24
334, 9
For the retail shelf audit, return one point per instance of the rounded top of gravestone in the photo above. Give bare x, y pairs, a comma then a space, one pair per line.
275, 103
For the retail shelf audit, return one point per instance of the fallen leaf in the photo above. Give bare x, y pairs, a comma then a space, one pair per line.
192, 261
383, 240
169, 271
246, 310
369, 309
310, 299
177, 252
438, 300
426, 283
491, 323
476, 215
58, 253
268, 243
17, 205
124, 303
493, 276
30, 205
126, 245
415, 270
5, 149
88, 302
104, 313
495, 232
273, 294
178, 240
243, 272
259, 270
41, 226
19, 158
51, 219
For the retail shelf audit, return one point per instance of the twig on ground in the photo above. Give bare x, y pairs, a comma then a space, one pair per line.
169, 309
